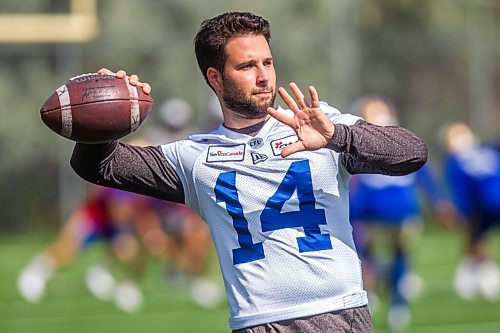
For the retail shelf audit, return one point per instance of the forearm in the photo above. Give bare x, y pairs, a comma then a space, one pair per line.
141, 170
367, 148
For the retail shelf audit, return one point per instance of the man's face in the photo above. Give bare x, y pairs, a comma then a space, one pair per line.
249, 78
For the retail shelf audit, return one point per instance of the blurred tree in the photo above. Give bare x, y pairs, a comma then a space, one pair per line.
414, 51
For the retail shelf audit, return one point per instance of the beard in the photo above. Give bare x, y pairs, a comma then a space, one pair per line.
235, 99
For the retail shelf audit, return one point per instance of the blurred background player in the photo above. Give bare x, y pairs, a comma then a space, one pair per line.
189, 251
386, 213
472, 172
133, 228
189, 240
174, 119
107, 216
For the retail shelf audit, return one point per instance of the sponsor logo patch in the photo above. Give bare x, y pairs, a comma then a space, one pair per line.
257, 158
256, 143
278, 145
226, 153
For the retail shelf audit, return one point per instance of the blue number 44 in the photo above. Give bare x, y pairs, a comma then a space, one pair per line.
297, 177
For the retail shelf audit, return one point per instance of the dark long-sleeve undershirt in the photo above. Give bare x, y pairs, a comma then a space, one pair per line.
367, 148
364, 148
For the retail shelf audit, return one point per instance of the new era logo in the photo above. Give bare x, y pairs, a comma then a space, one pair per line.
257, 158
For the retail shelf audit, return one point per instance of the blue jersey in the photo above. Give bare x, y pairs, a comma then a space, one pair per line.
392, 199
473, 177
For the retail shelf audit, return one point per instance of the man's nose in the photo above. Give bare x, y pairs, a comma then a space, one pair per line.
262, 74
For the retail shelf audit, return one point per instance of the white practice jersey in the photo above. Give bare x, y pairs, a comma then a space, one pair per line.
280, 225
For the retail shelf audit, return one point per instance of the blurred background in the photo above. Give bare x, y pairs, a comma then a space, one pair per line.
438, 61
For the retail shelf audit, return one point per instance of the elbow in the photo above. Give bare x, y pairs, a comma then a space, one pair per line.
87, 160
82, 169
416, 157
76, 166
421, 154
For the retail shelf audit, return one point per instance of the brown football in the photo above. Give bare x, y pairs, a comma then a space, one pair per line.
96, 108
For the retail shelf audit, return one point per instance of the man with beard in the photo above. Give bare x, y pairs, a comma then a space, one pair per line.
272, 184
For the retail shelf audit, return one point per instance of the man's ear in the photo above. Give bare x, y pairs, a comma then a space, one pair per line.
215, 78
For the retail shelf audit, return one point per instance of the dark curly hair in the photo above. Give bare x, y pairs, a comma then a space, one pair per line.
211, 40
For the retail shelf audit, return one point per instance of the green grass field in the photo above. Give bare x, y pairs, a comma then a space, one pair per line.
69, 307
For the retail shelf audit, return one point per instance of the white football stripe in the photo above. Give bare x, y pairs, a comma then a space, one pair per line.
135, 114
66, 113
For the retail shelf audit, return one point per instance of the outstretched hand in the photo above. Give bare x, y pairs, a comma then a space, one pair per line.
132, 79
312, 126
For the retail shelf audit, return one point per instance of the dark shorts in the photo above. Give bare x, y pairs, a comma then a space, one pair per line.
356, 320
481, 226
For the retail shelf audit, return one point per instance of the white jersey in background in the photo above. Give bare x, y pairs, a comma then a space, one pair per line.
280, 225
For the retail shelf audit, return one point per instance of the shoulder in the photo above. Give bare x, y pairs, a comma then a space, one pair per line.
186, 152
182, 151
338, 117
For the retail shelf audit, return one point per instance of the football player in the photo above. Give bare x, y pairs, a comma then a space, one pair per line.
472, 172
271, 183
386, 213
104, 215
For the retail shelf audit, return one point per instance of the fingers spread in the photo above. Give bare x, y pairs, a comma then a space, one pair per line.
281, 117
314, 97
293, 148
288, 100
299, 96
299, 102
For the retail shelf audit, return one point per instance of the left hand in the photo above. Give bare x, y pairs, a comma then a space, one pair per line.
312, 126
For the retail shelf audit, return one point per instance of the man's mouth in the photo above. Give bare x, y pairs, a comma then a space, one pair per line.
263, 93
